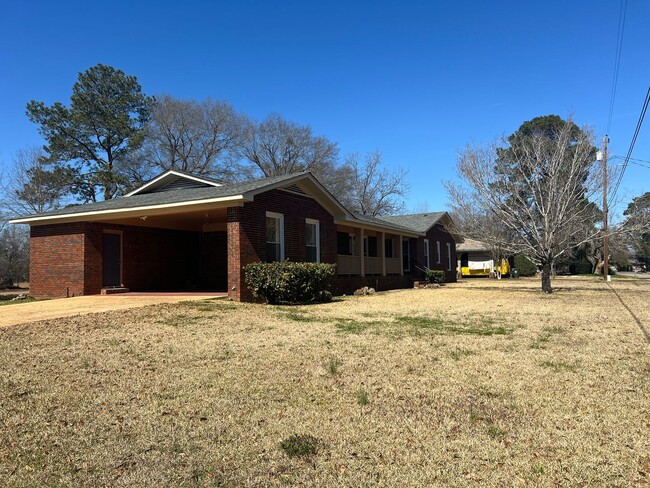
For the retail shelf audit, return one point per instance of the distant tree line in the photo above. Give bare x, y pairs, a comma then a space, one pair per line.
111, 137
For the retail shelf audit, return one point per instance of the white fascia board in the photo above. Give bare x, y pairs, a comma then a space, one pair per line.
170, 173
165, 208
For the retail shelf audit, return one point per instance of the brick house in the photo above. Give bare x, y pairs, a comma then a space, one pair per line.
181, 232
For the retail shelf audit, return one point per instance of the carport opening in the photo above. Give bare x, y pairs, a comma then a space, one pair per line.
168, 253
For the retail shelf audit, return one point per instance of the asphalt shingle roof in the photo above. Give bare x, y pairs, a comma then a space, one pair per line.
380, 221
421, 222
418, 223
173, 196
472, 245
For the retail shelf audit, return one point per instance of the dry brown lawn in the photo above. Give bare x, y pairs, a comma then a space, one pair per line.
480, 383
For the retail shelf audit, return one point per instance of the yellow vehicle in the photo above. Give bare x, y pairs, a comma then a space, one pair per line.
475, 259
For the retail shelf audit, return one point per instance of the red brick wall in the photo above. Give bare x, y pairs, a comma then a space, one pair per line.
57, 260
70, 256
416, 246
247, 234
439, 233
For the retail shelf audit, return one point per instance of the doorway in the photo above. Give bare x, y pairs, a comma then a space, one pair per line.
112, 260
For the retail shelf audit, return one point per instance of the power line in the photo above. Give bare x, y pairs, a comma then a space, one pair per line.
640, 164
636, 134
617, 60
632, 159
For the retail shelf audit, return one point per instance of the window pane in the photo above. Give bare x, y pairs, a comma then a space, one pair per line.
272, 252
272, 234
343, 243
406, 261
372, 246
311, 254
311, 234
389, 248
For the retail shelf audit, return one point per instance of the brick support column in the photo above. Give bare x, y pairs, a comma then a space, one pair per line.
241, 252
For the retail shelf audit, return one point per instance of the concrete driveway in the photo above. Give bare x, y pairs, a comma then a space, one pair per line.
20, 313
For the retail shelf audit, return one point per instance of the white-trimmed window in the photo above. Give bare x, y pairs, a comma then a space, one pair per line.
312, 241
274, 236
448, 257
427, 261
438, 252
406, 257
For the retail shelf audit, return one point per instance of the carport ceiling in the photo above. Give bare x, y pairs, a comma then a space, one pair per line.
213, 219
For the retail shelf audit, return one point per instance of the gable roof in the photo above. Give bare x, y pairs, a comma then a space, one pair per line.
420, 222
186, 199
175, 192
174, 179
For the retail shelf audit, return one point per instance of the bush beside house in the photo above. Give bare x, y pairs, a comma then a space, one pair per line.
289, 282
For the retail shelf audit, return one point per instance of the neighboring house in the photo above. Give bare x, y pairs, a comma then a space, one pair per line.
475, 259
182, 232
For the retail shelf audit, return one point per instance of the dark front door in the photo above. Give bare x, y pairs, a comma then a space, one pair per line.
112, 259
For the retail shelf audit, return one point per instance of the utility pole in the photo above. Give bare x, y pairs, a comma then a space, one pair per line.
605, 212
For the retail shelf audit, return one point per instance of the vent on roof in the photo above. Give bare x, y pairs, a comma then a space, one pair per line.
181, 184
295, 189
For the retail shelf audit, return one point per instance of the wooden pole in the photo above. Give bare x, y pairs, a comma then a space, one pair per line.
605, 212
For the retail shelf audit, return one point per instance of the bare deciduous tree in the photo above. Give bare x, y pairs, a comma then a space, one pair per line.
14, 255
375, 190
541, 204
279, 147
35, 184
195, 137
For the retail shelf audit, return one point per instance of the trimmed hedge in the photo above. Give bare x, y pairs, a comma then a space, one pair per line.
525, 267
289, 282
434, 275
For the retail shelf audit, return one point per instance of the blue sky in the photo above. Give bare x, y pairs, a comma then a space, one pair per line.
416, 80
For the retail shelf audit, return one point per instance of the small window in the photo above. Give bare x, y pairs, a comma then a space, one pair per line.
438, 260
372, 247
427, 263
312, 241
388, 248
274, 236
343, 242
448, 257
406, 258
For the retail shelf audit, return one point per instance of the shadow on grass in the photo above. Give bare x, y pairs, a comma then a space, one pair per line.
636, 319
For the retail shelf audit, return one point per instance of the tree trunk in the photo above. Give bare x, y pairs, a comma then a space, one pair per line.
546, 278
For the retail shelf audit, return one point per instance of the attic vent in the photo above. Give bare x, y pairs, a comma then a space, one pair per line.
295, 189
181, 184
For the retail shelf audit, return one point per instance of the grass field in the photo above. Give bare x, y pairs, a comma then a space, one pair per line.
484, 382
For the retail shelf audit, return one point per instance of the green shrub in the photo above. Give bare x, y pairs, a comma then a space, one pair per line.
434, 275
525, 267
579, 267
288, 282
